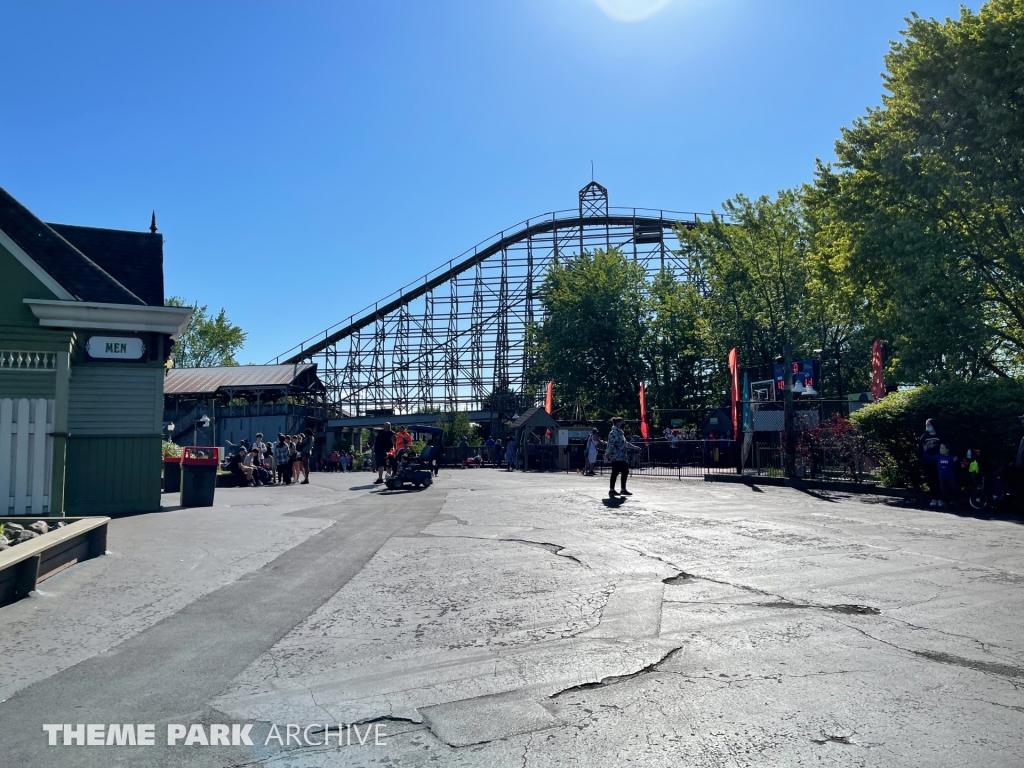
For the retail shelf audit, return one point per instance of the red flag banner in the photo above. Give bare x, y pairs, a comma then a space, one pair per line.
877, 371
734, 378
645, 433
549, 403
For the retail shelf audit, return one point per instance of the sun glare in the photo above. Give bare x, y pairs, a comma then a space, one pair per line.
631, 10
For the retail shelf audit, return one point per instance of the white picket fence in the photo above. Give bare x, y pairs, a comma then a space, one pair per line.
26, 456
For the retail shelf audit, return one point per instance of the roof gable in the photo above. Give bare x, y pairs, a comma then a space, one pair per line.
134, 259
64, 264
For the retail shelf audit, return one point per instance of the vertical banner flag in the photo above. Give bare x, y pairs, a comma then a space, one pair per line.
644, 431
549, 402
877, 371
734, 378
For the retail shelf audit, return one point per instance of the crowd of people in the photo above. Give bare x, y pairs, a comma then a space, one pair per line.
280, 463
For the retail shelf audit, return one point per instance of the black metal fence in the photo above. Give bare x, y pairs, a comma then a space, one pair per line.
679, 459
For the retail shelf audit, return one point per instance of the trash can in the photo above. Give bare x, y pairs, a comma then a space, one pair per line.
198, 475
172, 474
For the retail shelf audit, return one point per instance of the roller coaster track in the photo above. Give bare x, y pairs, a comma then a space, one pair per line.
468, 259
412, 351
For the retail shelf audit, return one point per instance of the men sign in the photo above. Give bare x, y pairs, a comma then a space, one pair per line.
115, 348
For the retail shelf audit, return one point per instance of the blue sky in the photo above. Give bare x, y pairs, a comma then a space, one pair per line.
307, 158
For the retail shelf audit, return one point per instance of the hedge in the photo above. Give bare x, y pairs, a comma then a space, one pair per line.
978, 414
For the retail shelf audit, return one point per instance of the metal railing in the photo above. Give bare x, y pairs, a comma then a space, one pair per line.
683, 458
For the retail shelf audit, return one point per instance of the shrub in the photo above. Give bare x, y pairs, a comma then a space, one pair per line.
171, 449
837, 439
978, 414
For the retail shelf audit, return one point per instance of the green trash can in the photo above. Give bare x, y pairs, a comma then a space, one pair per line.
198, 475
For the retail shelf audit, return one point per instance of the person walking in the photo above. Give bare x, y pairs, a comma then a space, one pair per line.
928, 452
617, 453
383, 442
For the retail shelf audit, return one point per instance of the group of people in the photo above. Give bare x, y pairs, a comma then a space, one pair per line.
678, 435
388, 445
341, 461
281, 463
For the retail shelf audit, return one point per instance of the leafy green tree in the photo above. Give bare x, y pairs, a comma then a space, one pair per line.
457, 426
923, 208
592, 340
753, 270
681, 375
208, 340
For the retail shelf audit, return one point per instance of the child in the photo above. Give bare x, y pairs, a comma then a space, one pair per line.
947, 477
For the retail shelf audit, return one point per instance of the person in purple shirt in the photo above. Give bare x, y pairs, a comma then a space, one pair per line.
946, 464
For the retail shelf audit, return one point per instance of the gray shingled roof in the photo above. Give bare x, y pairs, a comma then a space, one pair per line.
77, 273
134, 259
206, 381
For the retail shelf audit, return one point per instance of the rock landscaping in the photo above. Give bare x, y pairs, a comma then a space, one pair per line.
16, 533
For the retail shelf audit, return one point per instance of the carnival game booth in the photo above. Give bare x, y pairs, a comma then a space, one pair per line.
84, 336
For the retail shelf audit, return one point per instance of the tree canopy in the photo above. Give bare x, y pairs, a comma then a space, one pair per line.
922, 212
915, 235
208, 340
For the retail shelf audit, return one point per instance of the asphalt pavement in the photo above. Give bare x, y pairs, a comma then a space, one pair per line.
509, 619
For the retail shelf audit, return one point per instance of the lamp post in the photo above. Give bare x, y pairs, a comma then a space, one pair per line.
204, 423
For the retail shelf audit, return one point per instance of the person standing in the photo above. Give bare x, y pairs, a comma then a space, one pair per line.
383, 442
334, 460
617, 453
463, 451
305, 449
928, 452
510, 454
945, 465
593, 441
489, 450
282, 452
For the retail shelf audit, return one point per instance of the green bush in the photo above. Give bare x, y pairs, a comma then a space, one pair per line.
978, 414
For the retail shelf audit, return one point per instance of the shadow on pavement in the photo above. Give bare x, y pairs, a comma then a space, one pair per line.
616, 502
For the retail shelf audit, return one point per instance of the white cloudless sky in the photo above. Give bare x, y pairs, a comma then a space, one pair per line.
307, 158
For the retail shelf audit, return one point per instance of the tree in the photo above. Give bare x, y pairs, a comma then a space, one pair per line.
207, 341
923, 208
681, 375
754, 275
591, 342
457, 427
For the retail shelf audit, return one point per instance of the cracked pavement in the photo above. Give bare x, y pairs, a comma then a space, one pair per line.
502, 619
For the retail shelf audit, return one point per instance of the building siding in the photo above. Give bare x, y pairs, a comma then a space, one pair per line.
112, 474
30, 384
115, 400
113, 453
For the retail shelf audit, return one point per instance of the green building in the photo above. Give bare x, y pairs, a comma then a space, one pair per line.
84, 338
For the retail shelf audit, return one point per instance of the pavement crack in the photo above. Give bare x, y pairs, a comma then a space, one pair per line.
1006, 671
555, 549
615, 679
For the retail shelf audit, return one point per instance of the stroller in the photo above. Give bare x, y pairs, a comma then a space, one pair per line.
417, 471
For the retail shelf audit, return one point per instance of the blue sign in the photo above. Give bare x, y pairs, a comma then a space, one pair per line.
804, 371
